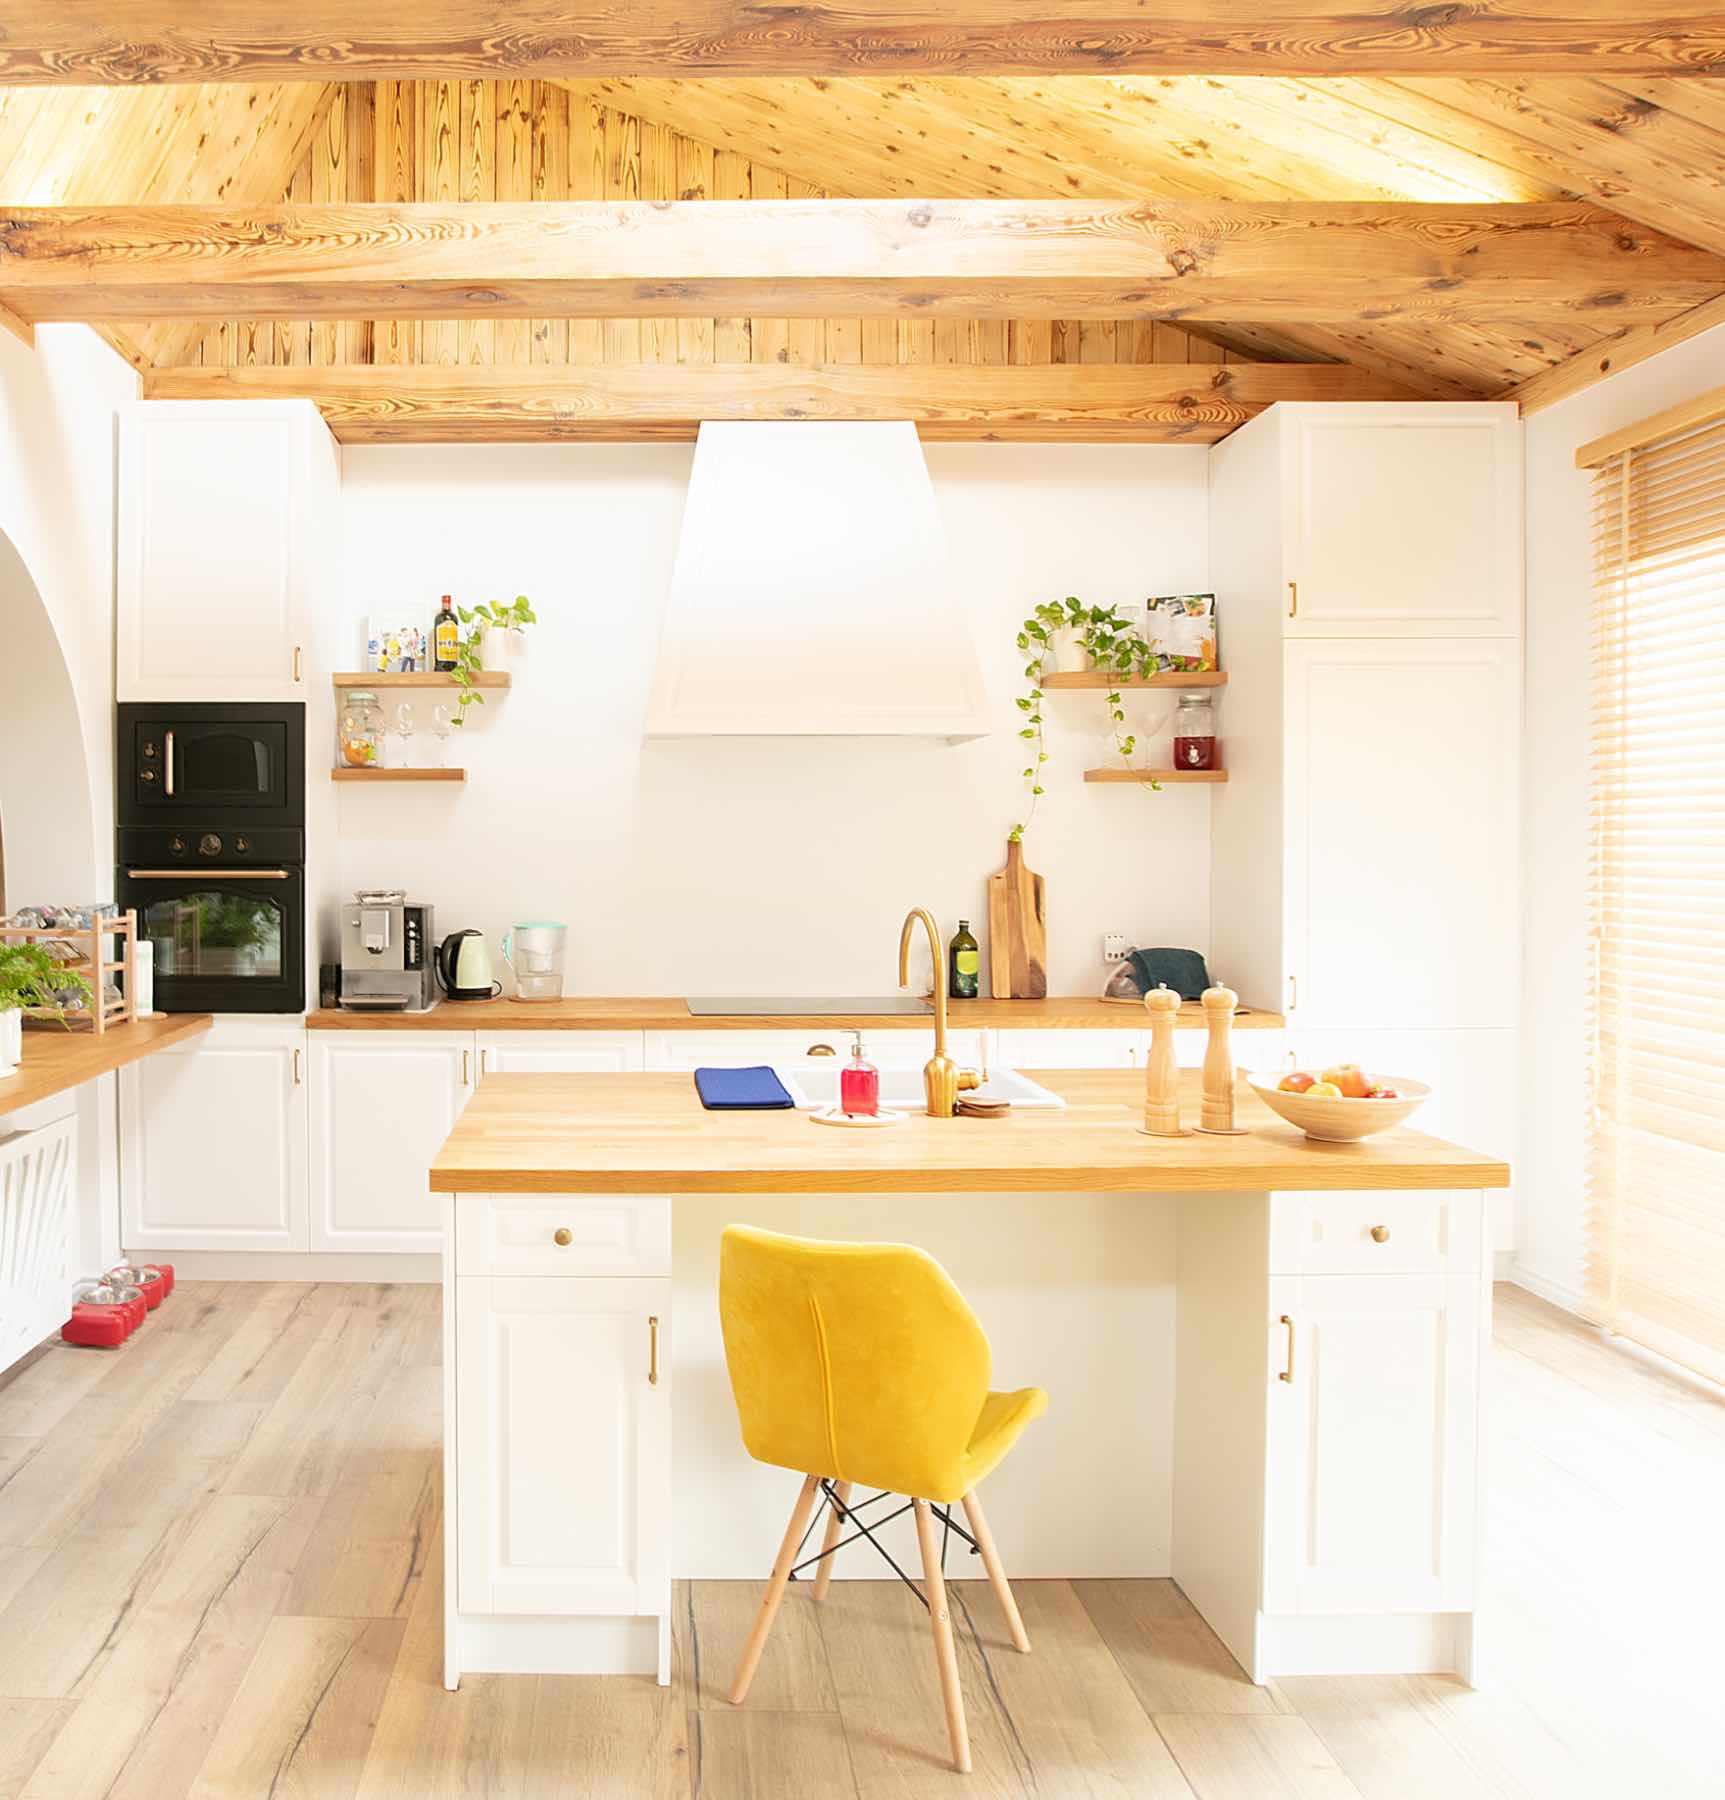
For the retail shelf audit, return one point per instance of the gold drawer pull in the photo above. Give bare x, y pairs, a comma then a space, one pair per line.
1288, 1373
562, 1237
652, 1350
1380, 1234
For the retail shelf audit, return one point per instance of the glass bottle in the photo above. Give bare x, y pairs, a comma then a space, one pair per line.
859, 1083
963, 964
359, 730
1195, 733
445, 637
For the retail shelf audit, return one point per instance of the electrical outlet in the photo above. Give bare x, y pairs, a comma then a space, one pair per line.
1113, 946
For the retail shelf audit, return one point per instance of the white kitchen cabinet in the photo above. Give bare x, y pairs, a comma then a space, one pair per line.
1372, 1446
1401, 841
809, 1046
563, 1424
225, 511
382, 1102
213, 1141
1080, 1049
558, 1052
1401, 521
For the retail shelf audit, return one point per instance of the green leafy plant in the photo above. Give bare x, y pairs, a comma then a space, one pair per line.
488, 615
1111, 645
29, 976
234, 923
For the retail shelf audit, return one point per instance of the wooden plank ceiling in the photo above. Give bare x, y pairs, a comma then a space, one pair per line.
1649, 148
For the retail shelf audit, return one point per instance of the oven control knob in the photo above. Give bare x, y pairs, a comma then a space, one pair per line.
242, 845
146, 774
177, 845
150, 752
209, 844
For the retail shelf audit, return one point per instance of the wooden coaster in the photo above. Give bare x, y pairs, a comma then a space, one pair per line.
983, 1109
1184, 1131
1223, 1131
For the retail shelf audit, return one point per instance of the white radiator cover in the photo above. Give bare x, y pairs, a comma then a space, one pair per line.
38, 1186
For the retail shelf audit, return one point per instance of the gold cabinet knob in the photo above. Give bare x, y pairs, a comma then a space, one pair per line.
1380, 1234
820, 1050
562, 1237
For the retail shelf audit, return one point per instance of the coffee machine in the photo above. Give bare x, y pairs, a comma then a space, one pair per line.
387, 949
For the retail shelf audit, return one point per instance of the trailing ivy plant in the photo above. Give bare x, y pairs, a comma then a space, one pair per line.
488, 615
1111, 645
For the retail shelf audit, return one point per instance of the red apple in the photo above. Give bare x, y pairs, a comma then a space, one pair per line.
1383, 1093
1351, 1079
1297, 1083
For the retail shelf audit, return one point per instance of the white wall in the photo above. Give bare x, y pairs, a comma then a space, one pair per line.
1549, 1182
757, 865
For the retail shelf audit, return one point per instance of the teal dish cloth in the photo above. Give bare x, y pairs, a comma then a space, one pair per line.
742, 1090
1182, 970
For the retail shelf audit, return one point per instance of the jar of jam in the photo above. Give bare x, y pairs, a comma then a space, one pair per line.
1195, 733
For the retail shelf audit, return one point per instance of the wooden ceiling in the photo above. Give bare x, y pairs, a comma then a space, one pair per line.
1646, 147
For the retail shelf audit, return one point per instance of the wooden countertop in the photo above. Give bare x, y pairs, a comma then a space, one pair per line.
55, 1060
540, 1134
606, 1013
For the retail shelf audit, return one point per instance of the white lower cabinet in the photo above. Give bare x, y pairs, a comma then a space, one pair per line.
1100, 1049
558, 1052
564, 1427
889, 1047
382, 1102
213, 1142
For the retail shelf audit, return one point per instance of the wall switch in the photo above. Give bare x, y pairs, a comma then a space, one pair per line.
1113, 946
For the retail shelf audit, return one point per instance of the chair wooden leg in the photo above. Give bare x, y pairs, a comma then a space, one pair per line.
945, 1650
775, 1590
996, 1570
824, 1574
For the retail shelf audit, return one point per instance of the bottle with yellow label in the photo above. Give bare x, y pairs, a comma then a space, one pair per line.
964, 963
445, 637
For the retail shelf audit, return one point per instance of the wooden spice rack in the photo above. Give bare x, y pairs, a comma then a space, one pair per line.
93, 963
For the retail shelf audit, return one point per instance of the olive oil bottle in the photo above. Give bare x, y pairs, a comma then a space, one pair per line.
963, 963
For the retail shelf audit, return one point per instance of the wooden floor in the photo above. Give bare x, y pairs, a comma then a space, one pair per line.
219, 1576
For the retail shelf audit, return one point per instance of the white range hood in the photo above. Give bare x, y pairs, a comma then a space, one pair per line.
813, 593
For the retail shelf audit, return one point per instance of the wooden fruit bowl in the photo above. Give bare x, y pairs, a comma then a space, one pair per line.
1341, 1121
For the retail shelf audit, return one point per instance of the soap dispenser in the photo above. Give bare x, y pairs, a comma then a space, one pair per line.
859, 1083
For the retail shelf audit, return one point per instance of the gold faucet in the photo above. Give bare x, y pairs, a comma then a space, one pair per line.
941, 1076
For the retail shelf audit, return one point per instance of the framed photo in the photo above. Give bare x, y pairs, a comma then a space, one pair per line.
1181, 630
396, 644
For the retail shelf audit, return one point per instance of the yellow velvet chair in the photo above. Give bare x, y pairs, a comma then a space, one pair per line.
860, 1364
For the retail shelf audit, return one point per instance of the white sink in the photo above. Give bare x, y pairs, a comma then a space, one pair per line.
901, 1089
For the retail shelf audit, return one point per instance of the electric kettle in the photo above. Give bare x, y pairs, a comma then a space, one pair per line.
464, 967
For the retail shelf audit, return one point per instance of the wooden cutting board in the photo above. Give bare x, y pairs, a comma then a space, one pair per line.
1017, 931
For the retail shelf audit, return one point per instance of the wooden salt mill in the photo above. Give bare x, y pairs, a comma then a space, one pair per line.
1216, 1115
1162, 1071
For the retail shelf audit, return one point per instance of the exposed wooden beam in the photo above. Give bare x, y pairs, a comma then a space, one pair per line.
1318, 264
177, 40
20, 328
1613, 356
1077, 402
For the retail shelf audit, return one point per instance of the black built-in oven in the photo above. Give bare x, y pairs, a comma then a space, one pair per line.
211, 851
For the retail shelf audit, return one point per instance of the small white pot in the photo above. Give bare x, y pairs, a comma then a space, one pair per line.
11, 1041
1070, 656
494, 647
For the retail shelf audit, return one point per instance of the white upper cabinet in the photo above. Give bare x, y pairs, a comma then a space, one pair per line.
382, 1102
1402, 521
227, 515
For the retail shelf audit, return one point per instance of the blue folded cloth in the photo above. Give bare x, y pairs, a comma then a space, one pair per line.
741, 1090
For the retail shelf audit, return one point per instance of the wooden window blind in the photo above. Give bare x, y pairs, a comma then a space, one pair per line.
1656, 1162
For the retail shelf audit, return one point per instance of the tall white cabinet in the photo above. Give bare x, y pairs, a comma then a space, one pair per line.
1365, 852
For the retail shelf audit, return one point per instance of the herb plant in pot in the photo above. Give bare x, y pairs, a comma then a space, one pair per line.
488, 628
29, 976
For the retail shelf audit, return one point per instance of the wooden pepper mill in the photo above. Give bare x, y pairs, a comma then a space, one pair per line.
1162, 1071
1216, 1115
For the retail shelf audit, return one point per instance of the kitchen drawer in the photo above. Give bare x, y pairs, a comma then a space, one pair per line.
1331, 1234
609, 1234
1083, 1049
900, 1047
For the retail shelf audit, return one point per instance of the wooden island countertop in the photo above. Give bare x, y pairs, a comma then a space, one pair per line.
56, 1060
637, 1134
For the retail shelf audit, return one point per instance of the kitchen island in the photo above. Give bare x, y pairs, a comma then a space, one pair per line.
1263, 1357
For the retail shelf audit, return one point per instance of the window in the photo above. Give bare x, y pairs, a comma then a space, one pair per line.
1656, 1162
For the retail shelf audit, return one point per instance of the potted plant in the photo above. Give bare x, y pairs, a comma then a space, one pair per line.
484, 642
29, 976
237, 925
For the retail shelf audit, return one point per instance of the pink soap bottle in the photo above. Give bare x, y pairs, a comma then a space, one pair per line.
859, 1083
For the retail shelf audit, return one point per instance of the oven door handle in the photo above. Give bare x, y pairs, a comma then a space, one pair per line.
168, 759
217, 874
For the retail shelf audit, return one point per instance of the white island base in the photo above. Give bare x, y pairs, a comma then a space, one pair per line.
1272, 1397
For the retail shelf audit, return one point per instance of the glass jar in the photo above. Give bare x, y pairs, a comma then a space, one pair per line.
359, 730
1195, 733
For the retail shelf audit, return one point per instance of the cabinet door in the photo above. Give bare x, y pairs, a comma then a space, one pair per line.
1100, 1049
215, 515
1400, 893
382, 1102
1404, 521
558, 1052
213, 1142
810, 1046
1372, 1451
563, 1444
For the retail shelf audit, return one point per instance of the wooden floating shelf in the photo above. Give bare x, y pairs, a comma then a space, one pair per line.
1102, 678
1138, 777
484, 678
398, 774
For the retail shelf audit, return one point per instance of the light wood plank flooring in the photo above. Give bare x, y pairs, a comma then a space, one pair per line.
219, 1577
